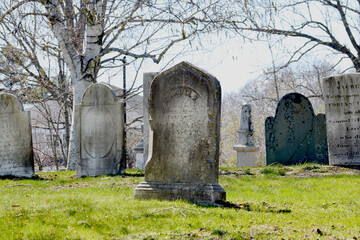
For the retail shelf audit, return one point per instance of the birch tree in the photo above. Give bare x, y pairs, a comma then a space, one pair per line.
93, 35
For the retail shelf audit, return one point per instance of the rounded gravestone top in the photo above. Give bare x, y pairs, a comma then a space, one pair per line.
294, 103
98, 94
9, 103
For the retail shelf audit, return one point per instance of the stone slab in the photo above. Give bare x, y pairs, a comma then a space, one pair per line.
342, 106
147, 79
184, 112
16, 150
100, 130
295, 135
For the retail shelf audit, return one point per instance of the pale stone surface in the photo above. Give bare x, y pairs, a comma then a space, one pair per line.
100, 132
147, 79
245, 148
183, 160
16, 151
139, 154
295, 135
342, 107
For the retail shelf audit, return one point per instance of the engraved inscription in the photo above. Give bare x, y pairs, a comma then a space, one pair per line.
180, 91
342, 103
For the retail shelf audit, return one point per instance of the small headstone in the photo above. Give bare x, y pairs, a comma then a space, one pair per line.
295, 135
342, 107
245, 148
183, 160
99, 125
139, 154
147, 79
16, 151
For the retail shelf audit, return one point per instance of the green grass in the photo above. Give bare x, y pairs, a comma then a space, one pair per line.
270, 205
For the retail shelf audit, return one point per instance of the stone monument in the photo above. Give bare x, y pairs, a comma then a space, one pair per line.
184, 107
147, 79
99, 125
295, 135
16, 150
245, 148
342, 107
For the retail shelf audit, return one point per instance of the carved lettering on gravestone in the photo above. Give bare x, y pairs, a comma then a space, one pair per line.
99, 123
184, 138
295, 135
342, 106
16, 152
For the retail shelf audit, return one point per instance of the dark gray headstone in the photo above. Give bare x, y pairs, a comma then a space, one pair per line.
183, 160
16, 150
342, 106
295, 135
99, 125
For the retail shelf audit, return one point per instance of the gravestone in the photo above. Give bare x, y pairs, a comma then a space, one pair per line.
139, 154
295, 135
245, 148
16, 151
147, 79
184, 107
342, 107
99, 125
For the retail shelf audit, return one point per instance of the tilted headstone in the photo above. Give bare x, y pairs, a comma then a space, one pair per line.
342, 107
295, 135
99, 125
183, 160
147, 79
245, 148
16, 150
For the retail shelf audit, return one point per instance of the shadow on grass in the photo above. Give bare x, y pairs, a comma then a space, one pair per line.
262, 207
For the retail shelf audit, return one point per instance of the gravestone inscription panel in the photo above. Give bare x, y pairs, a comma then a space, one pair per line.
342, 106
295, 135
16, 151
183, 160
99, 125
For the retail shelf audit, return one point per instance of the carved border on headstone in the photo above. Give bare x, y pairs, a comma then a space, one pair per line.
91, 158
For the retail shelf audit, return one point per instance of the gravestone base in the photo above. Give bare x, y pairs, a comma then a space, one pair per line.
246, 156
194, 192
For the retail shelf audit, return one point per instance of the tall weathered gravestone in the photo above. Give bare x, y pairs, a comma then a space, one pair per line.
99, 126
342, 107
295, 135
245, 148
147, 79
183, 160
16, 151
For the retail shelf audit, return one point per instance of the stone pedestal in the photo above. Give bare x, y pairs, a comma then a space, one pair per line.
246, 151
184, 107
246, 156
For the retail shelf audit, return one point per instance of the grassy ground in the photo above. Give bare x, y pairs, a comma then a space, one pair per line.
301, 202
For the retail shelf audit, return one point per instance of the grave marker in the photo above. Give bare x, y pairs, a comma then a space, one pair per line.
16, 151
183, 160
342, 106
295, 135
99, 125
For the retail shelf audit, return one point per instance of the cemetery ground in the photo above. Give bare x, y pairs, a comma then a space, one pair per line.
296, 202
